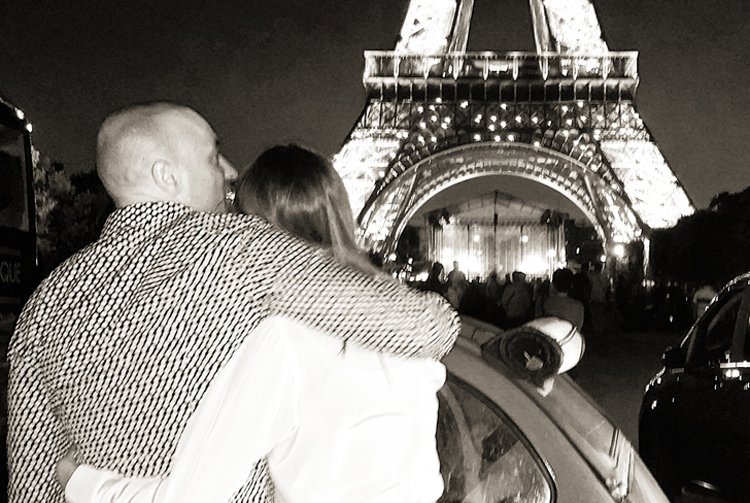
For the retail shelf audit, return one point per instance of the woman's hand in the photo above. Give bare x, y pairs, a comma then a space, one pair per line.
65, 467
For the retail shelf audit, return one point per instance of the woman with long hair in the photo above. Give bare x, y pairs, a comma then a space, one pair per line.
346, 425
299, 191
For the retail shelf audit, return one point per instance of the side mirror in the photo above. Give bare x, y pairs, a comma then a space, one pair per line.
673, 357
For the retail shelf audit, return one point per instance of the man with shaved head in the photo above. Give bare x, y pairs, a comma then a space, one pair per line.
117, 346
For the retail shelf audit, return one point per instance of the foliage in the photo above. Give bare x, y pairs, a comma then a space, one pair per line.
709, 246
70, 212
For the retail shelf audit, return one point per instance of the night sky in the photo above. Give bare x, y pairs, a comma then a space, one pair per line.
264, 72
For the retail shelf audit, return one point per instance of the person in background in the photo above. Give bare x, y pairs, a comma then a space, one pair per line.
598, 298
516, 301
116, 348
581, 291
455, 286
702, 298
434, 282
559, 304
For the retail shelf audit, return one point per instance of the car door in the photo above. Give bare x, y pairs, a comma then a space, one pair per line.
711, 437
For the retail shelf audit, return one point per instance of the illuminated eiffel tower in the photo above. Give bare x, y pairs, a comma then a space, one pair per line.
563, 116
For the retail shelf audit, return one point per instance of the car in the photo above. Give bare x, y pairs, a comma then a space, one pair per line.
508, 434
694, 426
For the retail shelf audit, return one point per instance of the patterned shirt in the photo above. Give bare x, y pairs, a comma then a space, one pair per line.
114, 350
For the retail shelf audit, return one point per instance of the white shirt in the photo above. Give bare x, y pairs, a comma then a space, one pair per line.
336, 425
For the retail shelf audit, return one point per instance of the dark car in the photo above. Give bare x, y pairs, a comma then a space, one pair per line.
694, 430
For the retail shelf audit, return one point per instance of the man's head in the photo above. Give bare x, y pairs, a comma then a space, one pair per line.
562, 279
162, 152
455, 265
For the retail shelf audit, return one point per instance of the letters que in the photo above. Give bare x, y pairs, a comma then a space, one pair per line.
10, 272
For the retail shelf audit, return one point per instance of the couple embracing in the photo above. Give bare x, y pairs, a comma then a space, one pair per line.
200, 351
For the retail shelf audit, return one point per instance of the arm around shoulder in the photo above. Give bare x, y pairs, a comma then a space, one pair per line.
375, 312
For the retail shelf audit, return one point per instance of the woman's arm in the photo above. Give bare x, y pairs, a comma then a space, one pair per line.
250, 406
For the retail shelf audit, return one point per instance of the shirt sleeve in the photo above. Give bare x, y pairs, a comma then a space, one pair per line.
36, 438
375, 312
250, 406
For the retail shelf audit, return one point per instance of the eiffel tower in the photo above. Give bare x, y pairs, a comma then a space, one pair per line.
563, 116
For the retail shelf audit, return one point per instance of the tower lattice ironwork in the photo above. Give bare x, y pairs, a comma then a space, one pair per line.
564, 116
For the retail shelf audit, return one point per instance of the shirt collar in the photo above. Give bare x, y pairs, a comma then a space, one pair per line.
144, 217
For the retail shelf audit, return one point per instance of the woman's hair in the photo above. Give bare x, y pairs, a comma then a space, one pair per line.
299, 191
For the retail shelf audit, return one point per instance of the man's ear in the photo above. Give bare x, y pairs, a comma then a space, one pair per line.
166, 177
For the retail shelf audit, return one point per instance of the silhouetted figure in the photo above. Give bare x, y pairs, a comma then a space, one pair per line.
433, 283
559, 304
581, 291
456, 285
516, 301
493, 294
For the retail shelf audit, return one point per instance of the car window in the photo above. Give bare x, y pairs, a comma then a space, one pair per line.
483, 457
713, 337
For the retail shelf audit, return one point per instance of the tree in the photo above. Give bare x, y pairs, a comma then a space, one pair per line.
709, 246
70, 211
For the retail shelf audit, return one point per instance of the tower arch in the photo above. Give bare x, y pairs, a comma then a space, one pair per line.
387, 212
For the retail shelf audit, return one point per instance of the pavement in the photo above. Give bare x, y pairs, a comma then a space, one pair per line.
615, 369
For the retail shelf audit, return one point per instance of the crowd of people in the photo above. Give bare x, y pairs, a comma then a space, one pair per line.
579, 297
587, 298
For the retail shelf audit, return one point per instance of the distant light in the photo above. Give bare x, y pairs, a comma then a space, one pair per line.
493, 118
511, 137
447, 120
476, 238
551, 253
434, 118
422, 124
20, 114
569, 122
433, 139
29, 127
537, 143
564, 108
524, 238
438, 100
504, 106
619, 250
381, 174
503, 123
535, 120
464, 104
519, 118
409, 260
420, 109
491, 127
477, 137
392, 257
603, 259
497, 137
